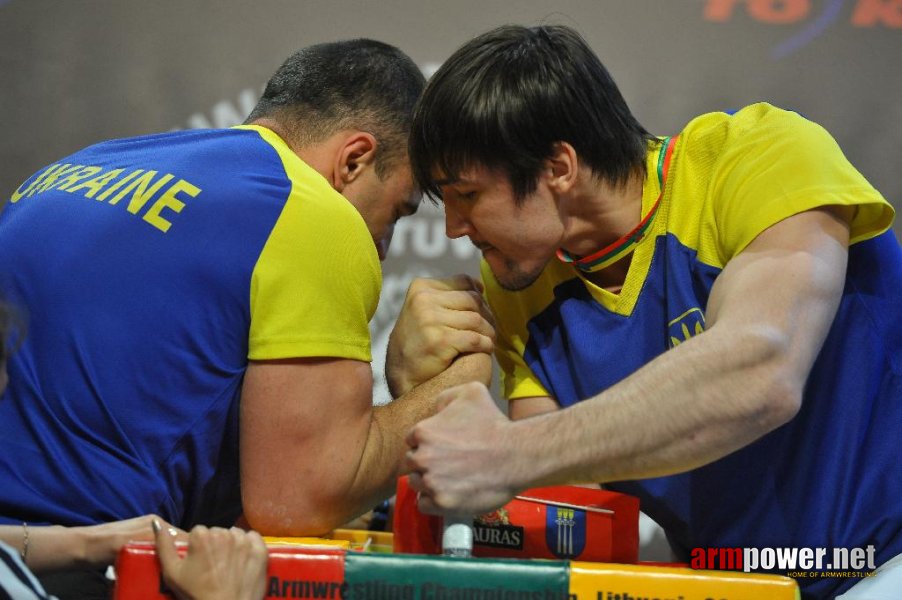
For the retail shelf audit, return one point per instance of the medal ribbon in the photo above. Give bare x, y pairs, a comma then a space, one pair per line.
617, 250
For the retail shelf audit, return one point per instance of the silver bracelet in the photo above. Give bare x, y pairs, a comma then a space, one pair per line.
24, 553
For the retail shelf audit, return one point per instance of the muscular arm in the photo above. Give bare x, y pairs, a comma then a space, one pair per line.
314, 451
768, 315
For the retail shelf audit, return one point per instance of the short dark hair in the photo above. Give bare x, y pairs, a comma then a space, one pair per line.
360, 84
506, 97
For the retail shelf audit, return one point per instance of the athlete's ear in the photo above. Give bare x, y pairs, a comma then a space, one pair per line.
561, 167
355, 154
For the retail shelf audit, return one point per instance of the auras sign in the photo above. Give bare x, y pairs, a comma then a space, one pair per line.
865, 13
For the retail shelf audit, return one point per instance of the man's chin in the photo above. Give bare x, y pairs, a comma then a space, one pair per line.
513, 278
516, 284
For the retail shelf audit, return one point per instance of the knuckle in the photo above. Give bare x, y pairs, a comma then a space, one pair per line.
417, 433
258, 550
477, 341
416, 283
473, 320
414, 462
485, 345
444, 501
428, 480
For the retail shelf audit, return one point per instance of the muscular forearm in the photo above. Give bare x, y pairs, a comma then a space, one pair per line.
469, 458
767, 317
352, 464
721, 389
726, 400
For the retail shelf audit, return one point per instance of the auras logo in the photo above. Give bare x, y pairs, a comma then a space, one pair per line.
494, 529
817, 16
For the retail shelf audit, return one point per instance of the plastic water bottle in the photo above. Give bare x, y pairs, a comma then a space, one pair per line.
457, 536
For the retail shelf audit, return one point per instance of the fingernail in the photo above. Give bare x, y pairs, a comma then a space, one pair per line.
173, 531
155, 524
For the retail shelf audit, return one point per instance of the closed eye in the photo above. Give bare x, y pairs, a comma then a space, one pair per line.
465, 195
455, 193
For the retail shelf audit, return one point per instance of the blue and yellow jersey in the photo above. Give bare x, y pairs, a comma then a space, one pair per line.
152, 269
824, 479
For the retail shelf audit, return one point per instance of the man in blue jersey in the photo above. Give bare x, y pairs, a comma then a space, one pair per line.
710, 321
220, 563
169, 276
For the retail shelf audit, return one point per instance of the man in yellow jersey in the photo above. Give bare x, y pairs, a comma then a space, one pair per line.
709, 321
199, 303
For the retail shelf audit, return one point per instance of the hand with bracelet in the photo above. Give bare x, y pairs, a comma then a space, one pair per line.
53, 547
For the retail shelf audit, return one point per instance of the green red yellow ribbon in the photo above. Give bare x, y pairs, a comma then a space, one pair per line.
617, 250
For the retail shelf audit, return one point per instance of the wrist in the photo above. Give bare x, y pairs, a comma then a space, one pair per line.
533, 463
79, 546
483, 367
394, 379
90, 547
48, 547
397, 386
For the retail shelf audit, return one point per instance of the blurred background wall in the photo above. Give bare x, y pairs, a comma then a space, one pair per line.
73, 72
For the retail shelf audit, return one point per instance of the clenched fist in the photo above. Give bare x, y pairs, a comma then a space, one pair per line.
440, 320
